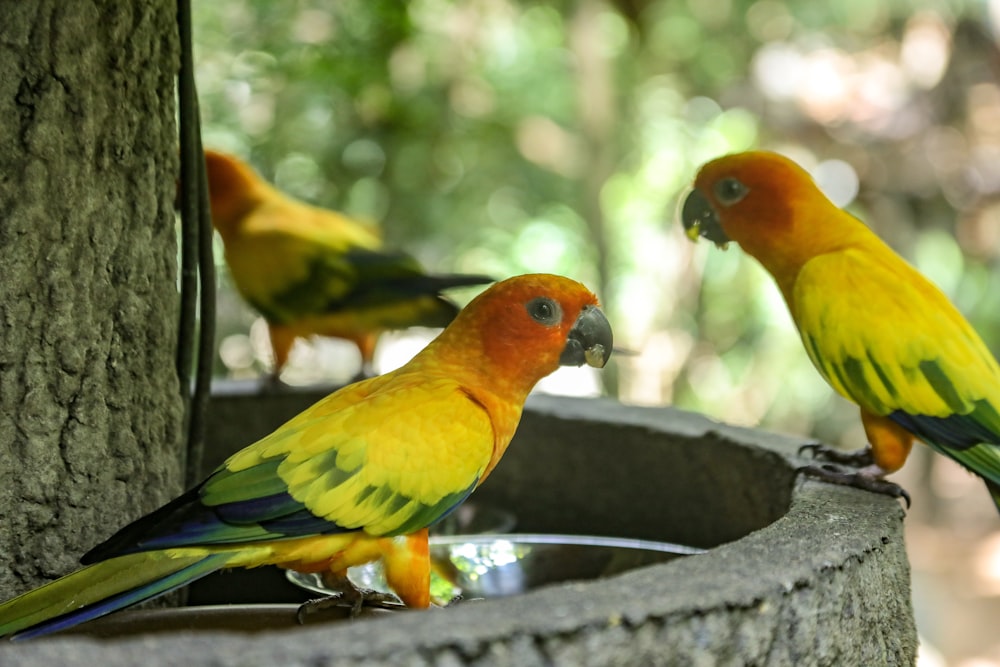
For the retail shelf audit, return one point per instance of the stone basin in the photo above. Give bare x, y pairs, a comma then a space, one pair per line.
796, 572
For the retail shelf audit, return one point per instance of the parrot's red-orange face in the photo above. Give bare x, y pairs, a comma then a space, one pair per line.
737, 197
540, 319
231, 183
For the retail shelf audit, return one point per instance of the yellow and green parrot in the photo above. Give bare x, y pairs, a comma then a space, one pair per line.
358, 476
314, 272
879, 333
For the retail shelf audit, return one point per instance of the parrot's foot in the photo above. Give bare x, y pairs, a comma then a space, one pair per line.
858, 458
457, 599
351, 597
868, 479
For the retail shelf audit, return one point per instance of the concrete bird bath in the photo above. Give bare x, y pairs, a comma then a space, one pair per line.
797, 572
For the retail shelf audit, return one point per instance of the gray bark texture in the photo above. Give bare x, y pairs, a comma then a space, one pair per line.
90, 412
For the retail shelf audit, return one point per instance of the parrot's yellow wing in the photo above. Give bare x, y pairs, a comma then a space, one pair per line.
888, 340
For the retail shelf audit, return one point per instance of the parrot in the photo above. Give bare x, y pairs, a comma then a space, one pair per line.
310, 271
880, 333
357, 477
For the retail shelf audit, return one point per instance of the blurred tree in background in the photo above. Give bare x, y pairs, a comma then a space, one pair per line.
510, 136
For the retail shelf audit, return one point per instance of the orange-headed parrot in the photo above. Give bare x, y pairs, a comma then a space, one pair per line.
878, 332
358, 476
314, 272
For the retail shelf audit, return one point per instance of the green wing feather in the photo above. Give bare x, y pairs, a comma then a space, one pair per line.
288, 277
102, 588
415, 450
361, 469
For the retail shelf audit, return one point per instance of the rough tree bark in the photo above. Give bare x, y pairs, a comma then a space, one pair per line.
90, 413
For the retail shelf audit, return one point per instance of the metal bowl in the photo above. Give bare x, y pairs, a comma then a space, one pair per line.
490, 565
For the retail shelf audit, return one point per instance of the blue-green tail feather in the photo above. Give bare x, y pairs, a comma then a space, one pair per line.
101, 589
971, 440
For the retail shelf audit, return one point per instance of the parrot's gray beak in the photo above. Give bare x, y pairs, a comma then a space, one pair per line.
699, 219
589, 340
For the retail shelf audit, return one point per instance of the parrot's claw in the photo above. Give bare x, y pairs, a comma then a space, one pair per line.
858, 458
355, 599
459, 598
859, 479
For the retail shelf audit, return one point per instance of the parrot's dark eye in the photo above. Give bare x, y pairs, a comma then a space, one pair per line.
544, 311
729, 191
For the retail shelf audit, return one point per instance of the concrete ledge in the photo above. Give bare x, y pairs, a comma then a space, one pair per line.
799, 573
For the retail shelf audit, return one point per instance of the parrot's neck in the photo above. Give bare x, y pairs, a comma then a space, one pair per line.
809, 233
499, 392
486, 381
505, 416
234, 192
494, 382
228, 215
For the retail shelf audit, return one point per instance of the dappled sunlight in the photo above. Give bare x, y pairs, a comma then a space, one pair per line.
986, 565
582, 382
975, 662
925, 49
838, 180
655, 368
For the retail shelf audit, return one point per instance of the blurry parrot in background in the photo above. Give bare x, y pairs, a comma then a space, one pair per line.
310, 271
879, 332
358, 476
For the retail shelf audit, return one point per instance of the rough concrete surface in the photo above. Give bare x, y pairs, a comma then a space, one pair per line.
819, 577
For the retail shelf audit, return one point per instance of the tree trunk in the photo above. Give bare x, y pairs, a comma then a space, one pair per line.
90, 411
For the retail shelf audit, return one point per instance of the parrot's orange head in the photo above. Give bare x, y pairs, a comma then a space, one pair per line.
527, 326
747, 198
232, 187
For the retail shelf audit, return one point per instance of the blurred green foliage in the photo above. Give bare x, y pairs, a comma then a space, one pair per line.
508, 136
